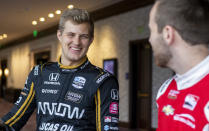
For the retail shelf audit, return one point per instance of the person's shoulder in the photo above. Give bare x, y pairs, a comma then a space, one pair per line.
37, 69
103, 75
97, 70
164, 87
100, 74
49, 65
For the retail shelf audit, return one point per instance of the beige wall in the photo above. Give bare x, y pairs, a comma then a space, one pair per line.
20, 58
19, 67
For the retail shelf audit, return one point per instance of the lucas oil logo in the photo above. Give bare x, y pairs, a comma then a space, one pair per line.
55, 127
79, 82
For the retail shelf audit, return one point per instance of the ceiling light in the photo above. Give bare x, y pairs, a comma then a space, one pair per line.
1, 72
4, 35
42, 19
1, 37
6, 72
70, 6
58, 12
50, 15
34, 22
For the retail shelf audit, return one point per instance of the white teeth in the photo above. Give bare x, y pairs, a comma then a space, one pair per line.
75, 48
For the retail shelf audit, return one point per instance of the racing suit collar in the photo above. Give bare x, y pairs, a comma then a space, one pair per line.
83, 60
192, 76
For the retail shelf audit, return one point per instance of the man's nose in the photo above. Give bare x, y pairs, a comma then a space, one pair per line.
76, 40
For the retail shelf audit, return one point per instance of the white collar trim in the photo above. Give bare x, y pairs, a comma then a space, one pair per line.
193, 76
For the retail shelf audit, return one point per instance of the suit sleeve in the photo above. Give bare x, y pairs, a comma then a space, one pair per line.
107, 102
25, 105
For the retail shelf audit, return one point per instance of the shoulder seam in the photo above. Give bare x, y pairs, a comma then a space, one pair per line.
163, 88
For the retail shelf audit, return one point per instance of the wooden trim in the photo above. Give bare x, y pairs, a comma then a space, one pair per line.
115, 9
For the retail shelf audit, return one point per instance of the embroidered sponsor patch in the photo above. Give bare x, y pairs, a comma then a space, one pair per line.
54, 109
168, 110
106, 127
115, 119
49, 91
101, 78
114, 128
186, 119
55, 127
173, 94
190, 101
54, 76
74, 97
36, 70
114, 108
53, 79
107, 119
114, 94
110, 119
79, 82
18, 101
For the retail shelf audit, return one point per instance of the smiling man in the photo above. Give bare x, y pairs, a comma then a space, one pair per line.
71, 94
179, 39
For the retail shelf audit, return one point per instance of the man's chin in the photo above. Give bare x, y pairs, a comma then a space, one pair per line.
75, 58
161, 64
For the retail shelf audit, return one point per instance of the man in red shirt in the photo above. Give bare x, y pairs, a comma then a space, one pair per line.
180, 40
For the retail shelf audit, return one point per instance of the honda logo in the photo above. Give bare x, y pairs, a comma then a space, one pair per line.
114, 94
54, 76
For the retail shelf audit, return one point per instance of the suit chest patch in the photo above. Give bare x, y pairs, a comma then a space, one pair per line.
79, 82
74, 97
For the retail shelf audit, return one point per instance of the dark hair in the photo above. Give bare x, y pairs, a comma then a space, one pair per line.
78, 16
189, 17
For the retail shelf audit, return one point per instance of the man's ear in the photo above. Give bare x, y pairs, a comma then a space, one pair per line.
168, 34
59, 34
92, 39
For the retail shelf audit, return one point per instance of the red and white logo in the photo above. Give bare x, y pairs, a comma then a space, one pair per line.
114, 108
173, 94
107, 119
186, 119
190, 101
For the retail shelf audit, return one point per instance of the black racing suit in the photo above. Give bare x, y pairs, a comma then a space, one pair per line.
82, 98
